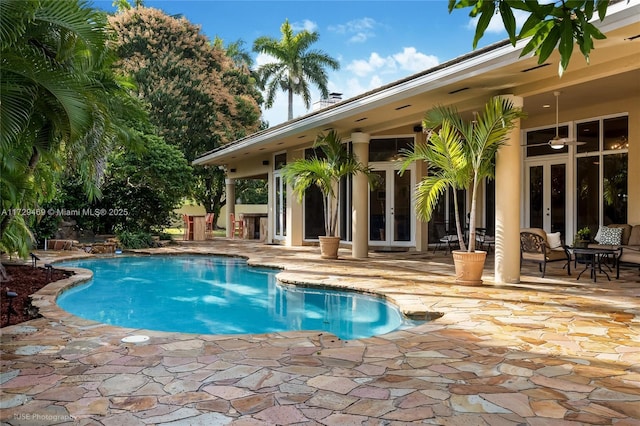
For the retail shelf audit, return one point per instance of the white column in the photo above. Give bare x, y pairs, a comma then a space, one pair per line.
508, 202
360, 198
231, 204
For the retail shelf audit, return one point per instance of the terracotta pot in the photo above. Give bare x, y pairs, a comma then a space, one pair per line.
329, 247
469, 266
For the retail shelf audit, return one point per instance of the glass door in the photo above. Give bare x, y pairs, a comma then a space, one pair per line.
280, 210
391, 218
546, 202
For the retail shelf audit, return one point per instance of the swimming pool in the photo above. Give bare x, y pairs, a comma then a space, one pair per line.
218, 295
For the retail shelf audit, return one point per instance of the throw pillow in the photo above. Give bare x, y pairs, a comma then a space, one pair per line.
554, 240
611, 236
599, 234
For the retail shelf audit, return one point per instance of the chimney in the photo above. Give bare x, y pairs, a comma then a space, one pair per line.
333, 98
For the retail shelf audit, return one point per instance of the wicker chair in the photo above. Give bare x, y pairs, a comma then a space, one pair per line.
534, 247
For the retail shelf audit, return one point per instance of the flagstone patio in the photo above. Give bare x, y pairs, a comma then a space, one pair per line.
552, 351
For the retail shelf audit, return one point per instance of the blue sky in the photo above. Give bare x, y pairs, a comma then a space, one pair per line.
376, 42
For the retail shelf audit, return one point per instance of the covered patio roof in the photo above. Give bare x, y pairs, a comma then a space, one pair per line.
466, 82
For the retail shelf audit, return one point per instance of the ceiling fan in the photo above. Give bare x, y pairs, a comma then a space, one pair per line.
557, 142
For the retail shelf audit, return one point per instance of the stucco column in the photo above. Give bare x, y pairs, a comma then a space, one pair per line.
295, 216
508, 202
231, 204
360, 193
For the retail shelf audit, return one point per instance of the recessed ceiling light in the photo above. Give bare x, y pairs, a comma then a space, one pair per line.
403, 107
361, 119
546, 106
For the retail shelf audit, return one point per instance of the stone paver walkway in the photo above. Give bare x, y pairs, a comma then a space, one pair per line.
551, 351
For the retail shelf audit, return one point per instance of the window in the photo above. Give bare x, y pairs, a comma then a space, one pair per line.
388, 149
314, 207
537, 141
601, 172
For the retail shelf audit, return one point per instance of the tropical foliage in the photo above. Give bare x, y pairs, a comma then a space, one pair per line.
61, 105
198, 98
295, 66
143, 189
325, 170
553, 24
459, 154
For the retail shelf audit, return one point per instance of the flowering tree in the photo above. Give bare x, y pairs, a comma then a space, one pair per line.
198, 98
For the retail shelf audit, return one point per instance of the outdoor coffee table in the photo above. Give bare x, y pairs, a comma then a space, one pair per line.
593, 259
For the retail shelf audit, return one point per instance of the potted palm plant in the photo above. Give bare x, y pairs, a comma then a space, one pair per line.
459, 155
325, 171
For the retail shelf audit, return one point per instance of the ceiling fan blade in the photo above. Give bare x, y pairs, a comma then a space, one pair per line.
535, 144
560, 142
556, 143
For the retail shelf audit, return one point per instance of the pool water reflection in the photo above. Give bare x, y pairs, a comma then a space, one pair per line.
219, 295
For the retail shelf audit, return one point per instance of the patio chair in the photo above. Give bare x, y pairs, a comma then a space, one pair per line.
483, 240
237, 226
534, 247
208, 232
188, 227
448, 239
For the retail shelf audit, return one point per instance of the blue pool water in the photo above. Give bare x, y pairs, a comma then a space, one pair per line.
218, 295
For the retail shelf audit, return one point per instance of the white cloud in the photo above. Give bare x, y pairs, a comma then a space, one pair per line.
360, 29
412, 60
304, 25
409, 59
363, 67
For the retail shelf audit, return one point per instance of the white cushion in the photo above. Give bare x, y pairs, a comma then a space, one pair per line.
610, 236
554, 240
599, 234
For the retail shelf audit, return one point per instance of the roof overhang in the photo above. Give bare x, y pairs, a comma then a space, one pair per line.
467, 82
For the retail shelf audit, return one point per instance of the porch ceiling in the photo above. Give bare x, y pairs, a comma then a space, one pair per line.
467, 83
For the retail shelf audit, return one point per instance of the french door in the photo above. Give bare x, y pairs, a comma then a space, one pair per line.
391, 217
547, 195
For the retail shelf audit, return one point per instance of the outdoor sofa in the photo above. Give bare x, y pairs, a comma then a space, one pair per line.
624, 237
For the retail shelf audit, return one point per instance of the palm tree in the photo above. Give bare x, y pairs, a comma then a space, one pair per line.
235, 50
326, 172
295, 65
447, 169
461, 154
60, 102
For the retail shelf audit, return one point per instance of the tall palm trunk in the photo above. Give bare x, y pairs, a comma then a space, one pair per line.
290, 115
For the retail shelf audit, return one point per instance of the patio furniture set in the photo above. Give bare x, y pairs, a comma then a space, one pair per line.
615, 245
448, 239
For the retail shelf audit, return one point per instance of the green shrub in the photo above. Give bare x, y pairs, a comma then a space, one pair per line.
135, 240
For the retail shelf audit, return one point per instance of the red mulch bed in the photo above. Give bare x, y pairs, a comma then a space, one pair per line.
24, 280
